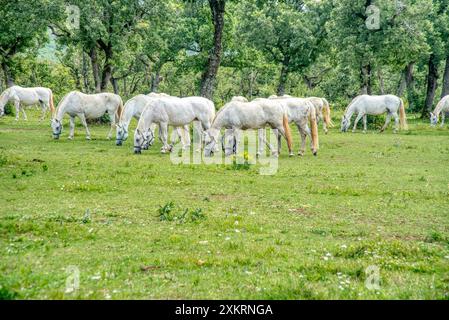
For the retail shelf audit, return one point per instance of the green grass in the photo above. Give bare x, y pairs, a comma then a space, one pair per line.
141, 227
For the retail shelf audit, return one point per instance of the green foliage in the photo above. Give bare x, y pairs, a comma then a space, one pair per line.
307, 48
23, 24
168, 213
6, 294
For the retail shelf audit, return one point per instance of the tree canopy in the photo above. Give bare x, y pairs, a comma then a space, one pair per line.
219, 48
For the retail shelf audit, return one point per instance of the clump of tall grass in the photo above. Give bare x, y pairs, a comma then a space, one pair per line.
169, 212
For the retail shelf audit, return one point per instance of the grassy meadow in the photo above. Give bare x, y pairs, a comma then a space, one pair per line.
142, 227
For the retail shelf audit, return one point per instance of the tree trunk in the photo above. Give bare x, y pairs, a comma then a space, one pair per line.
85, 74
77, 77
402, 85
381, 81
406, 79
8, 75
95, 69
283, 78
208, 78
106, 76
308, 82
155, 80
114, 83
365, 79
445, 90
432, 84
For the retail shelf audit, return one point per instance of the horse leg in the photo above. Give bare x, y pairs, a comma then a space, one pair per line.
280, 134
260, 136
387, 122
303, 135
279, 141
113, 124
326, 130
178, 133
356, 122
443, 118
72, 127
396, 122
84, 122
236, 134
160, 134
24, 114
365, 121
164, 137
17, 105
202, 129
270, 147
175, 135
44, 110
186, 131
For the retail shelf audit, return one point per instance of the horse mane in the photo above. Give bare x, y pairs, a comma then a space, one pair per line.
7, 90
440, 105
352, 102
61, 103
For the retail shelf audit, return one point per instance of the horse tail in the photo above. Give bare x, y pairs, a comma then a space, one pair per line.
327, 113
52, 104
288, 132
314, 131
402, 116
119, 110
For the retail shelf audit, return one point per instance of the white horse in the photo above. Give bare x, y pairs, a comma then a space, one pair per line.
177, 112
302, 112
86, 106
323, 112
257, 114
365, 105
133, 109
441, 108
27, 97
239, 99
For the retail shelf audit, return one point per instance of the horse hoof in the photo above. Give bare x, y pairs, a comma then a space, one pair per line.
70, 138
291, 154
87, 138
315, 153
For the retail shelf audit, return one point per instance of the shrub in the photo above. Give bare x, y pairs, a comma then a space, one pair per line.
167, 213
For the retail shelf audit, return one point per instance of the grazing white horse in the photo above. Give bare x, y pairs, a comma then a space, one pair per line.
239, 99
27, 97
257, 114
323, 112
177, 112
133, 109
86, 106
441, 108
365, 105
302, 112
